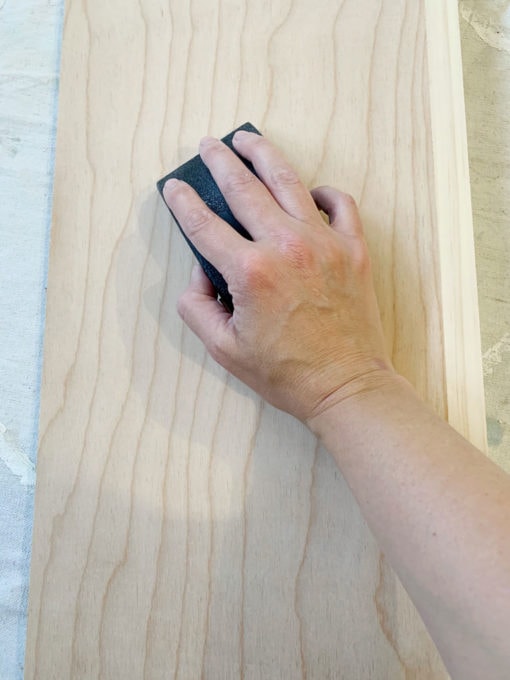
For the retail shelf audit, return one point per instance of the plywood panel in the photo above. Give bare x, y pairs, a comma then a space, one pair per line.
183, 528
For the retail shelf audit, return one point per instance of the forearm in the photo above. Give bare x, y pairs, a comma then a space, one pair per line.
441, 512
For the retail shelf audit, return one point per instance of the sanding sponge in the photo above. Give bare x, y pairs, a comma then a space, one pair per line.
195, 173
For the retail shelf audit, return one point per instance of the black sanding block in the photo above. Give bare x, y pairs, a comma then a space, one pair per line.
195, 173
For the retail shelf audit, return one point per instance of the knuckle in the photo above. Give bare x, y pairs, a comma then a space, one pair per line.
238, 181
256, 272
283, 175
197, 218
296, 251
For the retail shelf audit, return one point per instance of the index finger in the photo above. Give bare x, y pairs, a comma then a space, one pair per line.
277, 174
249, 200
213, 238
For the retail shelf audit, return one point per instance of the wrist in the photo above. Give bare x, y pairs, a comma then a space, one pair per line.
359, 393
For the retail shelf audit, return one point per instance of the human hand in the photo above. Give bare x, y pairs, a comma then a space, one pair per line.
305, 332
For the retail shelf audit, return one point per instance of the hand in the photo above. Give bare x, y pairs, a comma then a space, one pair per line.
305, 332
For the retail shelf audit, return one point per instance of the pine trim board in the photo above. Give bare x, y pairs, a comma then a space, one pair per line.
182, 527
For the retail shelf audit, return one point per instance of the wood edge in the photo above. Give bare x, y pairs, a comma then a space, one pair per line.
34, 576
459, 292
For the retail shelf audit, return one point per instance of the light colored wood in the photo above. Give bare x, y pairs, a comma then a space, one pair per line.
461, 324
184, 529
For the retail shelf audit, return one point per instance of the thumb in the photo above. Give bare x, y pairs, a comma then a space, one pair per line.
201, 311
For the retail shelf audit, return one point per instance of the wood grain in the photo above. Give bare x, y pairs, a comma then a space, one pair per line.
183, 528
461, 328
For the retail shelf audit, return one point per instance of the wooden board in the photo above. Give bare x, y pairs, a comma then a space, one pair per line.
184, 529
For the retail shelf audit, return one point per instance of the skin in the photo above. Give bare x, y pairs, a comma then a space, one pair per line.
306, 335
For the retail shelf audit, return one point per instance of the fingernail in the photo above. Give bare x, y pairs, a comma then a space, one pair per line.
171, 183
241, 134
205, 141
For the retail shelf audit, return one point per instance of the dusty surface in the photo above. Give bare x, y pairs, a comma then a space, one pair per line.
485, 33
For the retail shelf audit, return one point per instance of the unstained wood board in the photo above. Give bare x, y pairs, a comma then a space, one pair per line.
183, 528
